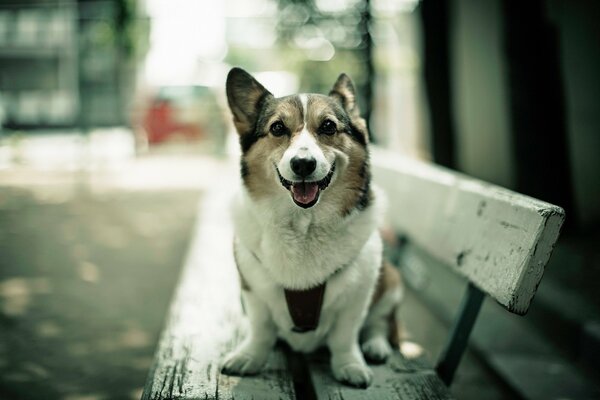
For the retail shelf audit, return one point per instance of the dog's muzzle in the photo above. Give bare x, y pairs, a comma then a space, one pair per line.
306, 194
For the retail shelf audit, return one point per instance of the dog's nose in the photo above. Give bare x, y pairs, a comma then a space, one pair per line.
303, 166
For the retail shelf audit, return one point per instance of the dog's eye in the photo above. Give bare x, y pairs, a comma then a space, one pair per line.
328, 127
278, 128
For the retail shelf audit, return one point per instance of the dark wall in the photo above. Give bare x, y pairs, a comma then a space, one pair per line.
484, 147
524, 96
579, 46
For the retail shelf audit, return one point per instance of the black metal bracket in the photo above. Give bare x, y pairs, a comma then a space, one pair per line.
459, 335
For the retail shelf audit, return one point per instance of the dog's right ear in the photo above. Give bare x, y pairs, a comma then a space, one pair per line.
245, 96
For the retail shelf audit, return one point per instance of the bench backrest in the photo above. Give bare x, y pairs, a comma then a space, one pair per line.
498, 239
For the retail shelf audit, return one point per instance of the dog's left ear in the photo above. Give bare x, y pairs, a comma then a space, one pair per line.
344, 91
245, 96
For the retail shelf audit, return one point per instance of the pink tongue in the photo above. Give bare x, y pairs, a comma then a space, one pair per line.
305, 192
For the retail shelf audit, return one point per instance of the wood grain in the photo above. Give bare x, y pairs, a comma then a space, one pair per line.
498, 239
205, 322
400, 378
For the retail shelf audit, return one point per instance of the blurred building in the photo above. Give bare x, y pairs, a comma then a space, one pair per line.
38, 55
67, 63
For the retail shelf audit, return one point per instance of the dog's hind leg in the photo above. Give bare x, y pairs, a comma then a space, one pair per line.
379, 326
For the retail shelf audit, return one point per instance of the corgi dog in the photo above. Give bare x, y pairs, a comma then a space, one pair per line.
307, 245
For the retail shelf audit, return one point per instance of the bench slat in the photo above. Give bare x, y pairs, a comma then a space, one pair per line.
400, 378
498, 239
205, 322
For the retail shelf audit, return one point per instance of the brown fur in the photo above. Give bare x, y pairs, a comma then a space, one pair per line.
255, 109
395, 333
261, 179
343, 89
389, 278
249, 95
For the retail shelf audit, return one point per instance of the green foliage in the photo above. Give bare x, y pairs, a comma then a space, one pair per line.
134, 29
300, 26
116, 24
319, 76
301, 23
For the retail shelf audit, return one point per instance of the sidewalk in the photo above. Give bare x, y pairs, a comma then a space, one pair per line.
89, 260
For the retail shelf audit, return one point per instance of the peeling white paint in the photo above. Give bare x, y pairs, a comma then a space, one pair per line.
498, 239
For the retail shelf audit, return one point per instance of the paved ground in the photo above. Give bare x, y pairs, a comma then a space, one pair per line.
85, 284
422, 331
91, 244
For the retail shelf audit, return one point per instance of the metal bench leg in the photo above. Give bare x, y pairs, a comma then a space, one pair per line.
459, 335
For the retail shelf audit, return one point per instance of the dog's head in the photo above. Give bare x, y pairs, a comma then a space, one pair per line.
310, 145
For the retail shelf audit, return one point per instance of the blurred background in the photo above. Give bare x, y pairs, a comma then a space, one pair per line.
113, 122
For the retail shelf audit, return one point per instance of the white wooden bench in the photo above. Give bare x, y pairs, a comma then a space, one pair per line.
498, 240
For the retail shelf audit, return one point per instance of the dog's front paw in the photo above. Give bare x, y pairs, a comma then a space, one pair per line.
357, 375
240, 363
376, 349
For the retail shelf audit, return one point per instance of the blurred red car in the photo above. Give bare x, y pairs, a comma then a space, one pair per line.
182, 113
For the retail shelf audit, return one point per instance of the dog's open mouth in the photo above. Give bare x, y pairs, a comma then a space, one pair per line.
306, 194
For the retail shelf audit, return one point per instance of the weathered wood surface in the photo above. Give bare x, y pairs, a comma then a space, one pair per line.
205, 322
498, 239
400, 378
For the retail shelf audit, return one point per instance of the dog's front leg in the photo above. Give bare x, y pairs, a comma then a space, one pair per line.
347, 362
252, 354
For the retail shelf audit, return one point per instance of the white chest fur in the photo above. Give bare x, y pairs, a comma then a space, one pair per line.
278, 246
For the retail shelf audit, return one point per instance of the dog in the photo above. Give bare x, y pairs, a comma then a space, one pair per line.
307, 245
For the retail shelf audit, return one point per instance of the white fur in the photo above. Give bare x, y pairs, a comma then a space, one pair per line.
300, 248
304, 145
277, 246
304, 101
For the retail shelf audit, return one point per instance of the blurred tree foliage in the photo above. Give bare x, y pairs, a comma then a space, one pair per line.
133, 28
317, 40
117, 24
334, 37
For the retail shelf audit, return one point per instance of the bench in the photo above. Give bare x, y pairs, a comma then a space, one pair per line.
498, 240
